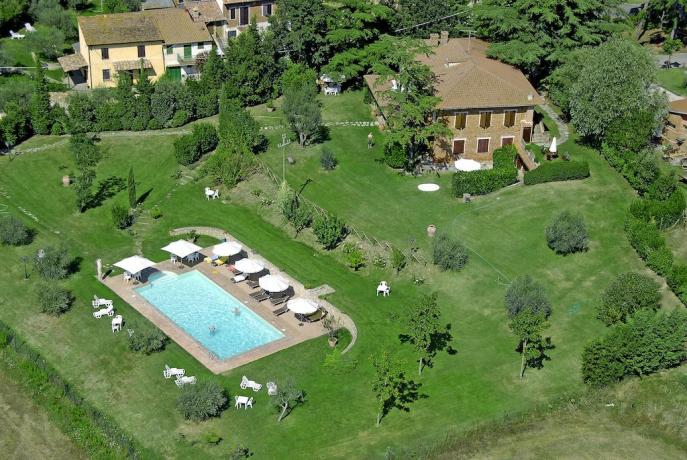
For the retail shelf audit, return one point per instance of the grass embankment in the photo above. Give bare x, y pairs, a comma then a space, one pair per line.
504, 230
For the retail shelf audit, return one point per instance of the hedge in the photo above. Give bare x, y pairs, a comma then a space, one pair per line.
189, 148
90, 429
488, 180
664, 213
554, 171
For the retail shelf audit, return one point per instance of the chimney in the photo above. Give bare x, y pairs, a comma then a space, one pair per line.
444, 37
433, 39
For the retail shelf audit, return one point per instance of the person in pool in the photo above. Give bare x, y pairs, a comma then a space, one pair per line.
237, 312
212, 329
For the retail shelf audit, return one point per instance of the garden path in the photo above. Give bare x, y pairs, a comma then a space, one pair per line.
563, 130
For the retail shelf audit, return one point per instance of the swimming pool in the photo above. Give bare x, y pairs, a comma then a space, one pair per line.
208, 313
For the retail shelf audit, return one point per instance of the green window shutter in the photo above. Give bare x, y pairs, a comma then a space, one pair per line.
187, 51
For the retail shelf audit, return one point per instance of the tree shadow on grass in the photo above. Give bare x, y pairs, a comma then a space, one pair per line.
107, 188
75, 265
439, 341
141, 199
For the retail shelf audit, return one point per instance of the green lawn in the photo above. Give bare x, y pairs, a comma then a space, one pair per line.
478, 384
18, 52
673, 80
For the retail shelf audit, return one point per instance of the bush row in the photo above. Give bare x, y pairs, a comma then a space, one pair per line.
648, 342
189, 148
553, 171
89, 428
486, 181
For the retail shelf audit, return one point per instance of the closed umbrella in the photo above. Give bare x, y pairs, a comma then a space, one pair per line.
302, 306
553, 148
467, 165
273, 283
249, 266
226, 249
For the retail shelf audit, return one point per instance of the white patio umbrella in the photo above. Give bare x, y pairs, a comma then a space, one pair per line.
226, 249
553, 148
134, 264
467, 165
273, 283
249, 266
302, 306
182, 248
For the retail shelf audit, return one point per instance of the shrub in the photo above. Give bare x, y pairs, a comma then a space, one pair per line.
186, 150
201, 401
53, 298
156, 212
647, 343
13, 232
553, 171
449, 254
662, 188
660, 260
329, 231
52, 263
328, 160
354, 256
146, 339
395, 155
664, 213
398, 260
643, 236
677, 278
504, 157
626, 294
121, 216
180, 118
641, 170
567, 234
525, 292
205, 136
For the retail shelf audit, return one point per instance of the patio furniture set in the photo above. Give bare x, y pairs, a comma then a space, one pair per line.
105, 307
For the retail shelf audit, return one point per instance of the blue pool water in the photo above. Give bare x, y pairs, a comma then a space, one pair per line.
196, 304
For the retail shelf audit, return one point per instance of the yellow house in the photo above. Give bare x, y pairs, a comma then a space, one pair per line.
156, 41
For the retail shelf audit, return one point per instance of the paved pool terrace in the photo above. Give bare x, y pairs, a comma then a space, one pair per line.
287, 324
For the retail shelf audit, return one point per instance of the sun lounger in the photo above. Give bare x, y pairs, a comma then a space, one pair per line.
16, 36
252, 384
239, 278
259, 296
279, 300
99, 303
253, 284
29, 27
109, 311
280, 311
170, 372
181, 381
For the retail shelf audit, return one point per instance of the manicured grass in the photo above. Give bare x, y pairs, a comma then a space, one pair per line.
673, 80
479, 383
18, 52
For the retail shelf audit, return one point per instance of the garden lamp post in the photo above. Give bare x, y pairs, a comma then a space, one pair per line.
25, 259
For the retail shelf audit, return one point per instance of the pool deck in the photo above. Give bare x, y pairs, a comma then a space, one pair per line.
294, 331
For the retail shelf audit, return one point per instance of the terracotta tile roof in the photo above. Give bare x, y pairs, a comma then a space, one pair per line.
119, 28
72, 62
205, 11
169, 25
469, 79
678, 106
177, 27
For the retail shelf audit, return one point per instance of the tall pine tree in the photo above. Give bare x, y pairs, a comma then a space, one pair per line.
41, 119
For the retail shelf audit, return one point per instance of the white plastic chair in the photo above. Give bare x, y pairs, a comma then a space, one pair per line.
117, 323
271, 388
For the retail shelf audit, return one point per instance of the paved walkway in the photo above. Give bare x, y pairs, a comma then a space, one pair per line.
343, 319
563, 132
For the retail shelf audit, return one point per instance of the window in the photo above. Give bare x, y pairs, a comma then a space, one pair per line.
509, 118
201, 46
105, 53
484, 120
243, 15
187, 51
106, 74
141, 51
232, 13
483, 145
170, 50
232, 34
460, 120
508, 140
458, 146
267, 10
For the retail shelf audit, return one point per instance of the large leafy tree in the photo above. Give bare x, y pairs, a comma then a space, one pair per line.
12, 9
669, 14
388, 383
535, 35
253, 63
423, 329
615, 80
303, 112
430, 14
410, 104
300, 29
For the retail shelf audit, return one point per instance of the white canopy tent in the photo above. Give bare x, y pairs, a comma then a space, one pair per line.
134, 264
227, 249
302, 306
273, 283
553, 148
467, 165
249, 266
182, 248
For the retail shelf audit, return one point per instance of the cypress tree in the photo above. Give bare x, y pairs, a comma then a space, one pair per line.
41, 119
